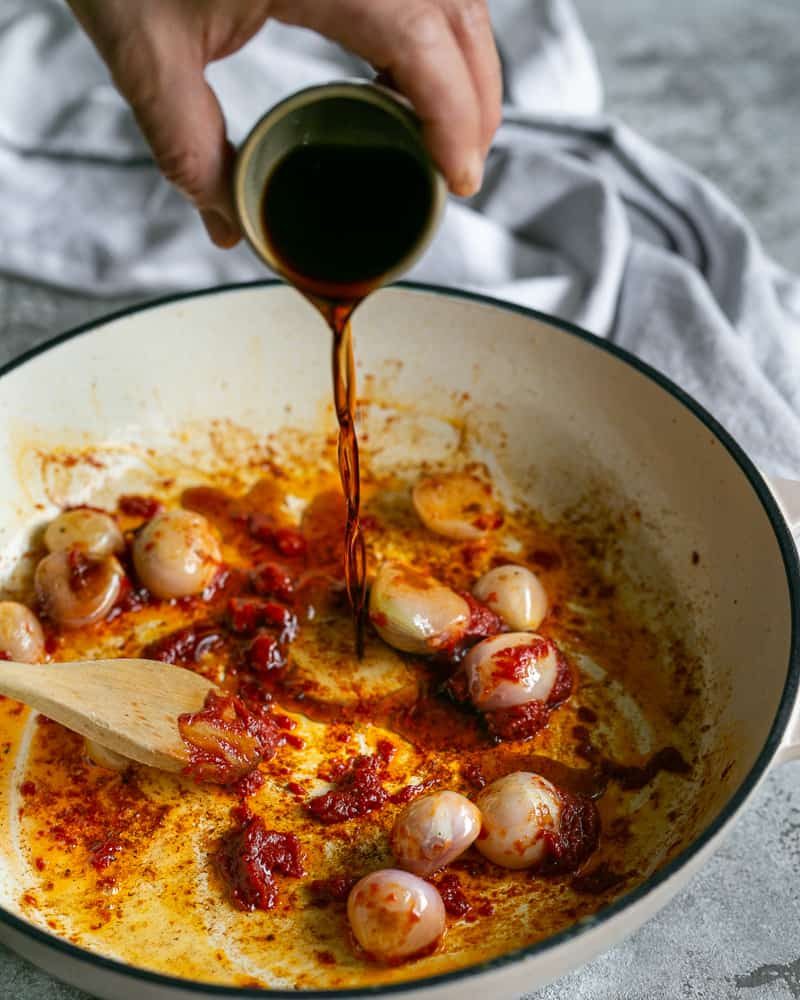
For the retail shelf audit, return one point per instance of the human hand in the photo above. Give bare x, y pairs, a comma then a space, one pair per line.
439, 53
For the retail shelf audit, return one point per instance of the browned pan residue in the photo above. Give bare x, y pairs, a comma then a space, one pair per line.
123, 864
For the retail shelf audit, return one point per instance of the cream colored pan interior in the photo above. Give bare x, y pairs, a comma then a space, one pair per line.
559, 421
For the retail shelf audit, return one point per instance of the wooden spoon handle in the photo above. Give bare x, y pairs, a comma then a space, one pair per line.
129, 706
26, 682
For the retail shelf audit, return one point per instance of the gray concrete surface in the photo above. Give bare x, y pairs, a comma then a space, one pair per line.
715, 82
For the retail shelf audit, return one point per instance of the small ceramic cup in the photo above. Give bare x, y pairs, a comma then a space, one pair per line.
347, 112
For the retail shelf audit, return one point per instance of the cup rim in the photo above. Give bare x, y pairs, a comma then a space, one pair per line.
359, 89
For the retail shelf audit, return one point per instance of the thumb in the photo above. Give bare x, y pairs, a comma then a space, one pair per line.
182, 121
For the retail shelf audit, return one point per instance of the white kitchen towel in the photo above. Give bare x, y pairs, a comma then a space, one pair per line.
578, 215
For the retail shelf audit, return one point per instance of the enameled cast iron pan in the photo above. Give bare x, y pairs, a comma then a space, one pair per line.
564, 414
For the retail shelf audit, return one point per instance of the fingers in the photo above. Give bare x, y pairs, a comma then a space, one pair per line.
426, 63
473, 30
160, 73
415, 42
186, 131
439, 53
182, 121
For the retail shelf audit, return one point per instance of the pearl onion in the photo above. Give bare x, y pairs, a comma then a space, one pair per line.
511, 669
515, 594
73, 598
91, 530
413, 612
104, 757
517, 811
434, 830
21, 637
176, 554
395, 915
458, 506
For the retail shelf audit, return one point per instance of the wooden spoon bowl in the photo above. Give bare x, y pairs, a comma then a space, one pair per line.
128, 706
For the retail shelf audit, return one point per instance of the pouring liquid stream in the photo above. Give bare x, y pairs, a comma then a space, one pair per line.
338, 218
344, 396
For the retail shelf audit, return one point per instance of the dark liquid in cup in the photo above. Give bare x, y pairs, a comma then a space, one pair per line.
337, 218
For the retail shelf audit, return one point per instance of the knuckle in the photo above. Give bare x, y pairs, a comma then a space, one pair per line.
139, 68
422, 25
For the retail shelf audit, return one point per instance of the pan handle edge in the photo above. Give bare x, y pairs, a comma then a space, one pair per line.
787, 493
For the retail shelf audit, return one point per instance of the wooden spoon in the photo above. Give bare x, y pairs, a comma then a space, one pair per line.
129, 706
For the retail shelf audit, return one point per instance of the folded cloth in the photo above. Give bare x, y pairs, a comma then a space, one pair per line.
578, 216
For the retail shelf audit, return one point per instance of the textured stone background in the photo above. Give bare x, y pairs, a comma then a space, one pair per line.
717, 83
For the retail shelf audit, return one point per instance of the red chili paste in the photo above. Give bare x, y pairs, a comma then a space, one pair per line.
272, 580
226, 740
483, 622
576, 838
265, 654
452, 893
409, 792
103, 852
135, 505
523, 722
248, 614
358, 791
260, 527
290, 543
186, 645
249, 856
515, 662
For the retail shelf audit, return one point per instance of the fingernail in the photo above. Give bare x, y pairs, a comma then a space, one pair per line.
219, 228
472, 178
